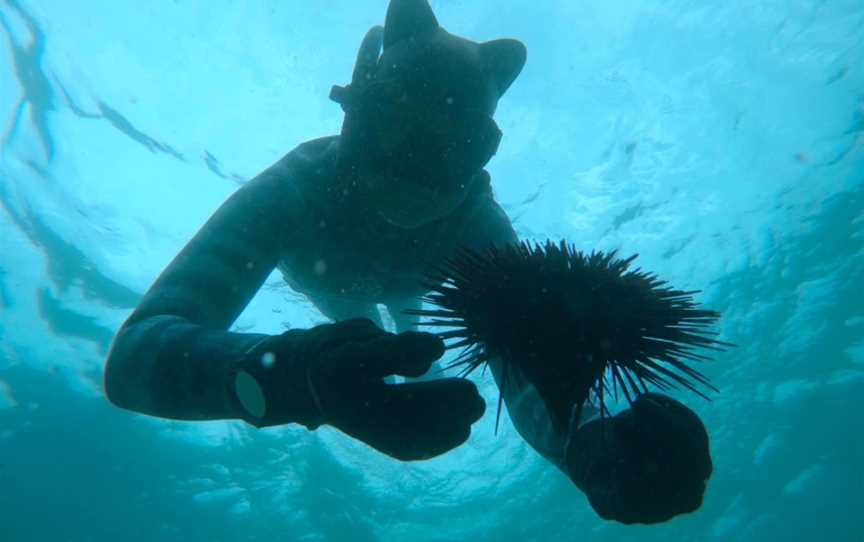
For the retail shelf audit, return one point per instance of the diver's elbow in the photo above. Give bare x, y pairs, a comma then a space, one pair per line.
126, 369
115, 381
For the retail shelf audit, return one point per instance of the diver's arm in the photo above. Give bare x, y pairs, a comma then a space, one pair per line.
646, 464
172, 356
527, 409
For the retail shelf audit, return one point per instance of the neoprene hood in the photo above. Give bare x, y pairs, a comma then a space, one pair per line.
437, 90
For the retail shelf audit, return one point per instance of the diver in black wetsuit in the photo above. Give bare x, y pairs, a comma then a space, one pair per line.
352, 221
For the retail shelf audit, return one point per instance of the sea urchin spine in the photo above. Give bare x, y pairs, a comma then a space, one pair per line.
577, 325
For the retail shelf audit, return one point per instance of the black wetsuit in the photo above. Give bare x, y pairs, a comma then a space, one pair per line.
419, 112
347, 259
289, 217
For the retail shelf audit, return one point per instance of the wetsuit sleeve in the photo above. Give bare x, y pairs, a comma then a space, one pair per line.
173, 356
526, 408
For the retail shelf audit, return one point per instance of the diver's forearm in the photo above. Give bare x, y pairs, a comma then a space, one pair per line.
218, 272
526, 408
531, 418
528, 413
171, 356
168, 367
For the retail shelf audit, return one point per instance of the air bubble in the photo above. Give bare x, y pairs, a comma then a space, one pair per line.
268, 359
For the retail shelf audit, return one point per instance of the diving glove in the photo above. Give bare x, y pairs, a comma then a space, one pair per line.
334, 374
648, 464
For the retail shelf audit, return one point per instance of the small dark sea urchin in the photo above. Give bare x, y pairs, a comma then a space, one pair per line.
578, 326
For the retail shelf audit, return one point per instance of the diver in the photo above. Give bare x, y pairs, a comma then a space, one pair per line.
353, 221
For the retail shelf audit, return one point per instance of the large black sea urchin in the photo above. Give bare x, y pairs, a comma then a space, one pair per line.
578, 326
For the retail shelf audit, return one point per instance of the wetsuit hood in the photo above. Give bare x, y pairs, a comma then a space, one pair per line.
421, 99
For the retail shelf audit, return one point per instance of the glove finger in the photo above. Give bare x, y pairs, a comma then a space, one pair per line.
668, 421
337, 345
445, 398
408, 354
435, 416
419, 420
351, 330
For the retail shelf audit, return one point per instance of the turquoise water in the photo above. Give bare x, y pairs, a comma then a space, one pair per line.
722, 142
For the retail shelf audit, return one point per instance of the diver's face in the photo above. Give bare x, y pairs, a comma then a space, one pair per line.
424, 124
422, 153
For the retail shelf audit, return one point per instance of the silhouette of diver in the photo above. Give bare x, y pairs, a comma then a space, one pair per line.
352, 221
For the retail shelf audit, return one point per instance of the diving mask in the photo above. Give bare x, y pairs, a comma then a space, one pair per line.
432, 140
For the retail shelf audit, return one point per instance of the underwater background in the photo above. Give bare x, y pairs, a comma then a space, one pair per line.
722, 141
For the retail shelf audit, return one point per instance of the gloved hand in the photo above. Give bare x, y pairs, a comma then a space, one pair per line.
645, 465
334, 374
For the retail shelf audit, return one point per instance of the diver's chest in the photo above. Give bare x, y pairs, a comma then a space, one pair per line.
368, 263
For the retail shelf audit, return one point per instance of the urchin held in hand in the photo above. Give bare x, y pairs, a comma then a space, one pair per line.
578, 325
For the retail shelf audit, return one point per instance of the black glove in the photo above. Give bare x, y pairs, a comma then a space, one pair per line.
334, 374
645, 465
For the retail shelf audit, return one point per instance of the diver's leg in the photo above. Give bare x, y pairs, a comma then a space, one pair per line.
407, 322
397, 308
345, 309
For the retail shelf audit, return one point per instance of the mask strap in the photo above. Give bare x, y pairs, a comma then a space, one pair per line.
343, 96
364, 69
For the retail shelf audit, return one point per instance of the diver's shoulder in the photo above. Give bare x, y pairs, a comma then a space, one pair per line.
483, 183
482, 196
488, 223
315, 151
310, 158
288, 184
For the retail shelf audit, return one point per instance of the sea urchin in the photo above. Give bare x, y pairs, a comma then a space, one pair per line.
578, 326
